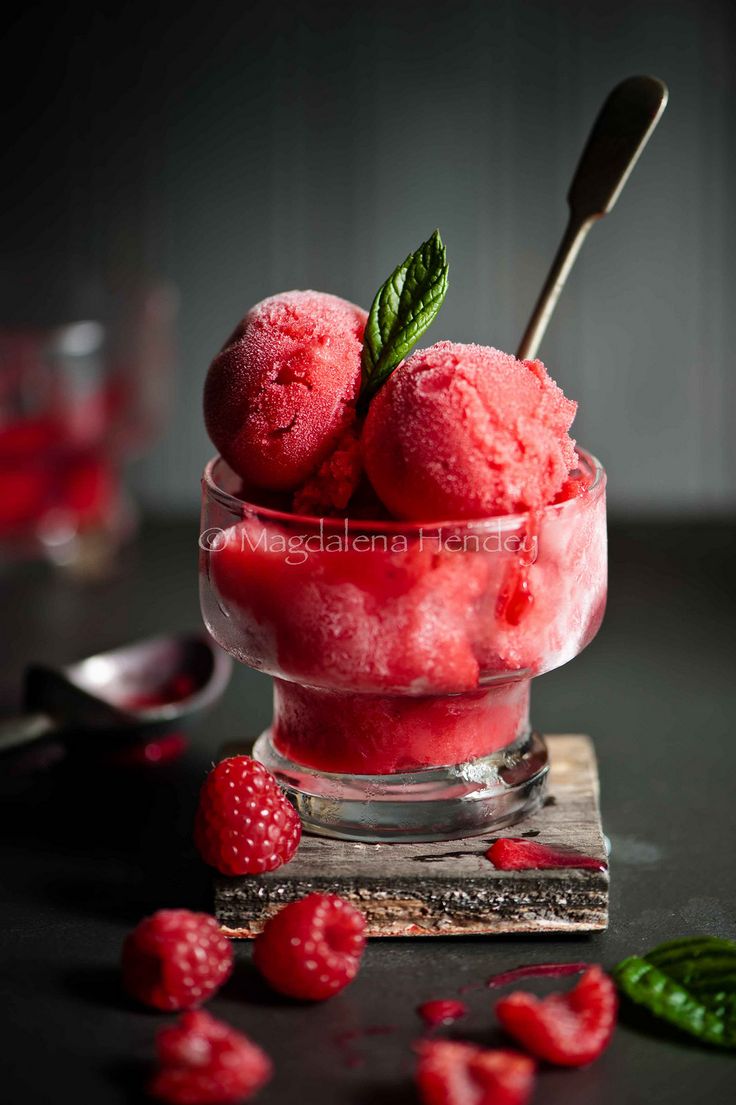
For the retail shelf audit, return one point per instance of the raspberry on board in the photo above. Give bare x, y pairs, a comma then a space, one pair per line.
569, 1029
175, 959
312, 948
245, 825
205, 1062
453, 1073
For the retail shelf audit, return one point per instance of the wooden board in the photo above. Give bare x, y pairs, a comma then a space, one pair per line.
450, 888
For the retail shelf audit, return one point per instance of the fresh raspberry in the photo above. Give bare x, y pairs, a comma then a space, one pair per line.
311, 948
452, 1073
569, 1029
245, 825
175, 959
205, 1062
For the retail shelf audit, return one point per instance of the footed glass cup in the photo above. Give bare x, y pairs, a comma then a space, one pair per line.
402, 653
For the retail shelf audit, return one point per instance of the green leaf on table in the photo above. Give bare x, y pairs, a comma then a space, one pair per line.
691, 983
403, 309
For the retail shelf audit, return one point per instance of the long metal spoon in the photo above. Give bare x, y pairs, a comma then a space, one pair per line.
620, 133
128, 694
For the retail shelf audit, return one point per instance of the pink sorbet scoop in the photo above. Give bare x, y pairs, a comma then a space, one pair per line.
466, 431
283, 388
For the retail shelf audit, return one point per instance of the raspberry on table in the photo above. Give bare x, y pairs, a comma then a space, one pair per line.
312, 948
175, 959
205, 1062
569, 1029
454, 1073
245, 824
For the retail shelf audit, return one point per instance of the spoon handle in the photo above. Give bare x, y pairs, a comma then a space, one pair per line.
24, 729
573, 238
620, 133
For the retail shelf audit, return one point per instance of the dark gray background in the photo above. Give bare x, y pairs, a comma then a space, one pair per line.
245, 148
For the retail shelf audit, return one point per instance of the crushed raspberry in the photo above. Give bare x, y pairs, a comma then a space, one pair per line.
175, 959
452, 1073
205, 1062
569, 1029
312, 948
245, 825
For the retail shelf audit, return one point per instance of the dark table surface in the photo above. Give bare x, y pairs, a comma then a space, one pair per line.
88, 851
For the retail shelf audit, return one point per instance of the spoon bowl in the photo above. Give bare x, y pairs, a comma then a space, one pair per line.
133, 692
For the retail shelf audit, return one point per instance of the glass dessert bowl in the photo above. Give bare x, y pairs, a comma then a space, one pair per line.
403, 653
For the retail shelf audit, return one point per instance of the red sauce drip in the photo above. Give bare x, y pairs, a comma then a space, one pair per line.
516, 599
536, 970
519, 601
518, 854
441, 1011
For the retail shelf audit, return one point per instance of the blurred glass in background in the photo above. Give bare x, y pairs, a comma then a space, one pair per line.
77, 402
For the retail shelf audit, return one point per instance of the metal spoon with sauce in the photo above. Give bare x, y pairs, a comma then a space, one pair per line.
128, 694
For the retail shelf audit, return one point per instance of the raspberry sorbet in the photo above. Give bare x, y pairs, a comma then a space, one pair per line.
284, 387
402, 542
466, 431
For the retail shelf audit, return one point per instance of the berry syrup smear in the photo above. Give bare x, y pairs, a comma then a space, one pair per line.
529, 970
535, 970
517, 854
346, 1041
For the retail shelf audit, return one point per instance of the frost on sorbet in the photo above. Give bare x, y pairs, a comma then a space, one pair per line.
466, 431
284, 387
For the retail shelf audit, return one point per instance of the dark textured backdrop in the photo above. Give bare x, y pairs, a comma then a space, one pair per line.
246, 148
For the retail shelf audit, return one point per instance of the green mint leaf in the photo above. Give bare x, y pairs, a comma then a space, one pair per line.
705, 964
403, 309
691, 983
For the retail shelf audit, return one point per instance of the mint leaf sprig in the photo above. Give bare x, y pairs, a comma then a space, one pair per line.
403, 309
691, 983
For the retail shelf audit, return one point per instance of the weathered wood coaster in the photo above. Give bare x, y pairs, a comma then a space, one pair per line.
450, 888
